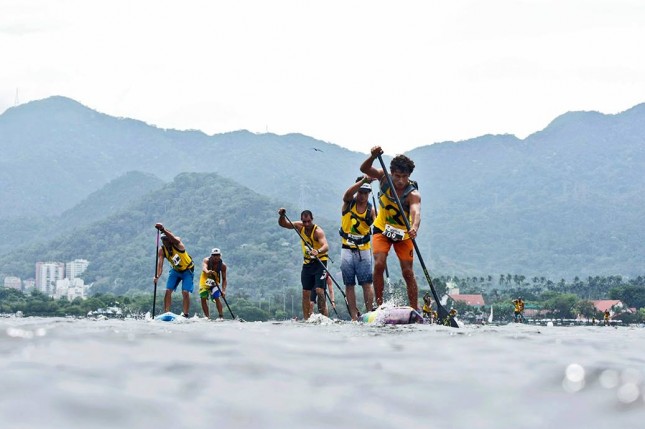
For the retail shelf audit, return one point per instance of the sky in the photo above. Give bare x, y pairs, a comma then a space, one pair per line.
356, 73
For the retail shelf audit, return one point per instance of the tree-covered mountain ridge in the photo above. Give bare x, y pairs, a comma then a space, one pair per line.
206, 211
566, 201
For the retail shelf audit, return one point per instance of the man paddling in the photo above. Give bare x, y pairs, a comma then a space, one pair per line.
314, 274
356, 258
212, 282
181, 268
389, 227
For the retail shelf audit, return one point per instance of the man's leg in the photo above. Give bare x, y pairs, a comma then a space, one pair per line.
205, 308
185, 302
350, 292
368, 296
306, 309
187, 286
322, 301
167, 300
349, 277
411, 282
218, 304
379, 267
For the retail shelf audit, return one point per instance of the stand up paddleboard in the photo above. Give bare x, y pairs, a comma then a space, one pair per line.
167, 317
393, 316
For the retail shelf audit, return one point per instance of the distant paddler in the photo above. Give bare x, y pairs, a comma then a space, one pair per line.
518, 310
181, 268
212, 282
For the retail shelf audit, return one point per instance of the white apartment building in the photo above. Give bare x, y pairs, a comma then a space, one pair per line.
70, 289
75, 268
13, 282
47, 273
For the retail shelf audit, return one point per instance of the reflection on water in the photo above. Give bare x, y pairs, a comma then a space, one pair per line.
138, 374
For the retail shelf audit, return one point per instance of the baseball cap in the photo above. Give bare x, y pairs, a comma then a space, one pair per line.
215, 251
365, 187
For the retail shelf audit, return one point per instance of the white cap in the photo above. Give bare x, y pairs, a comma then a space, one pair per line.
215, 251
365, 187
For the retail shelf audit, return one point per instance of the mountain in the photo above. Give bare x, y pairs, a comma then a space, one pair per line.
216, 213
57, 151
566, 201
110, 199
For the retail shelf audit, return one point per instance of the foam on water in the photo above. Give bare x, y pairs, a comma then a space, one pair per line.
321, 374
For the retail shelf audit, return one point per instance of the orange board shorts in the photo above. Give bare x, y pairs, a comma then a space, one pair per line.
404, 249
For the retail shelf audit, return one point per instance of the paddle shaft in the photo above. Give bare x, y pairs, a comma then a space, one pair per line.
441, 311
321, 263
225, 301
154, 294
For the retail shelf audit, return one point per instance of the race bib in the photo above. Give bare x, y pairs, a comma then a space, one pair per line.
394, 234
176, 260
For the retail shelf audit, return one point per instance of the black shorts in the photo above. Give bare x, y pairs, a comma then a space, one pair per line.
314, 275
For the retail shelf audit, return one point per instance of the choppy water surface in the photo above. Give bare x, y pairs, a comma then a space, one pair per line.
64, 373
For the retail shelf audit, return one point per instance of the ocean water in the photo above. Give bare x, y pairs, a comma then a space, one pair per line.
70, 373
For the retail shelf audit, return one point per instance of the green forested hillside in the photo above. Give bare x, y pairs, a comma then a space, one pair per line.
206, 211
110, 199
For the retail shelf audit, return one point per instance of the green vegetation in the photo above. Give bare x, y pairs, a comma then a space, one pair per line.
553, 301
561, 300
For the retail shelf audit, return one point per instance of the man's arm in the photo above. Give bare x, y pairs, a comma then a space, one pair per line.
320, 237
414, 200
366, 166
224, 282
283, 222
205, 266
174, 240
160, 258
348, 196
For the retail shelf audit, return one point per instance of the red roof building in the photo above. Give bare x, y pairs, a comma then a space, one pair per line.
608, 304
474, 300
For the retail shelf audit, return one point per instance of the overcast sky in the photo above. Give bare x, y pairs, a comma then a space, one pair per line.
401, 74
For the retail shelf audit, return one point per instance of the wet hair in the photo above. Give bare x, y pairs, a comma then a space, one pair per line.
306, 213
402, 163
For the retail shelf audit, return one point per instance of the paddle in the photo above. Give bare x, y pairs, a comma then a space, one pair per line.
441, 311
321, 263
154, 295
226, 302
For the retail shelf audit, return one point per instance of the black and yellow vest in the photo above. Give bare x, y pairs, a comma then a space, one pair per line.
389, 213
180, 260
210, 280
313, 243
355, 227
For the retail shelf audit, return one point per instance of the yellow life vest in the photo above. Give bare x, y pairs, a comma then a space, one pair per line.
355, 227
210, 280
180, 260
311, 240
389, 220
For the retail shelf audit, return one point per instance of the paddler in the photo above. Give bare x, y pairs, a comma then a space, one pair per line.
181, 268
356, 256
389, 229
